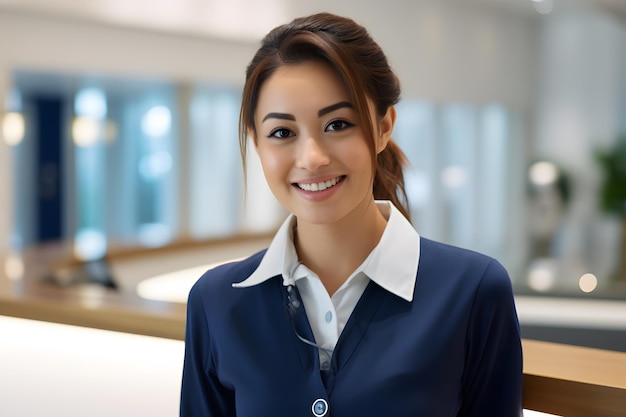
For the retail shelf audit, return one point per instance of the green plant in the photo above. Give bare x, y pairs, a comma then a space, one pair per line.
613, 188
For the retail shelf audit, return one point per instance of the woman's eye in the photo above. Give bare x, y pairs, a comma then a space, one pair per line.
338, 125
280, 133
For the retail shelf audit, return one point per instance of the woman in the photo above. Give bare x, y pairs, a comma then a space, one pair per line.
349, 312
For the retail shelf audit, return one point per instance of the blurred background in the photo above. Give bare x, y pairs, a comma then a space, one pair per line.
119, 126
118, 131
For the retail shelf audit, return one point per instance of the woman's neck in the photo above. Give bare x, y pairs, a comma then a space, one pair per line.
334, 251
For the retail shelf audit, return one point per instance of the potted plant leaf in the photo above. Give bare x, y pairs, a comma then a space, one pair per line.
612, 163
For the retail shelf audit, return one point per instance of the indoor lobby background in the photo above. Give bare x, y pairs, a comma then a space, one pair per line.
118, 140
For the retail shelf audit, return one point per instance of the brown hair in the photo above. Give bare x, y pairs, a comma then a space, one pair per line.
364, 70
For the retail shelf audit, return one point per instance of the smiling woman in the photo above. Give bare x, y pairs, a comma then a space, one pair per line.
336, 306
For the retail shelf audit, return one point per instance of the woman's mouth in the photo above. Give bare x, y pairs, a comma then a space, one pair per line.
320, 186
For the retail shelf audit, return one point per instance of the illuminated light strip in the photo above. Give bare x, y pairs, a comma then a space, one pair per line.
76, 371
563, 312
531, 413
174, 286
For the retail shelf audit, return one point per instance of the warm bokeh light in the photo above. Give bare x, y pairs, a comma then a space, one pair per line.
541, 278
543, 173
85, 131
588, 283
13, 128
14, 267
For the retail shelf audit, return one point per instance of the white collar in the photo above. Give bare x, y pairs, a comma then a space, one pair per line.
392, 264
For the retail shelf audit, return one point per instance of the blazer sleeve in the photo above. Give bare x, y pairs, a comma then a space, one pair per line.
202, 394
492, 379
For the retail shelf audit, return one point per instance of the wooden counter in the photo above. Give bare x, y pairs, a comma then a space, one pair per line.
574, 381
26, 294
97, 308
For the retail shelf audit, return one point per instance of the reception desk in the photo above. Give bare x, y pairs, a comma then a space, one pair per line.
574, 381
559, 379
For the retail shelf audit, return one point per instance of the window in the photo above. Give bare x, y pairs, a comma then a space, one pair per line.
459, 182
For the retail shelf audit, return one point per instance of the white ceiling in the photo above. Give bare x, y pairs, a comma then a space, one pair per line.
250, 19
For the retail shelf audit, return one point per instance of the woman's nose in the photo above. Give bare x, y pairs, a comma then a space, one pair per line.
312, 154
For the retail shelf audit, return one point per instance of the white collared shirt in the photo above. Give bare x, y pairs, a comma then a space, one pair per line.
392, 264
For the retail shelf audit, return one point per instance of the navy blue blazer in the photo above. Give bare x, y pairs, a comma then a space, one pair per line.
454, 351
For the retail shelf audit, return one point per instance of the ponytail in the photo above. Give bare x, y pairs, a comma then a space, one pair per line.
389, 177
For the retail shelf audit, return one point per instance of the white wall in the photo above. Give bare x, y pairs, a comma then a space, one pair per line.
441, 52
55, 44
459, 52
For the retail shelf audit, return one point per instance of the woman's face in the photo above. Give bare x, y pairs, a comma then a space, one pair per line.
312, 147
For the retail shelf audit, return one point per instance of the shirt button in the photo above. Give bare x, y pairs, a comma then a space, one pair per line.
319, 408
329, 316
325, 365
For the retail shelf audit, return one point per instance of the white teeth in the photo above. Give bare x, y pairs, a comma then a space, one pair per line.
320, 186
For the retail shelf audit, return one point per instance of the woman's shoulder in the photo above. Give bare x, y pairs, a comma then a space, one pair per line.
445, 251
445, 259
464, 277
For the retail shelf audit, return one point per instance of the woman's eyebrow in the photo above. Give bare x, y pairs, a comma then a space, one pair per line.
283, 116
322, 112
334, 107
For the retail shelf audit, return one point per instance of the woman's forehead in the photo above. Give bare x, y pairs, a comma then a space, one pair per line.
307, 85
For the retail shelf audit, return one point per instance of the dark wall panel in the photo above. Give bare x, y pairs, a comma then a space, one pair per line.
49, 163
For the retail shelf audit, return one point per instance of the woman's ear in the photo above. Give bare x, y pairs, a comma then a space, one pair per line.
385, 129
